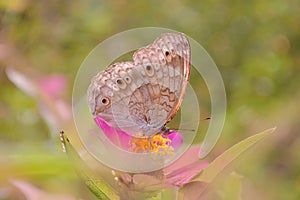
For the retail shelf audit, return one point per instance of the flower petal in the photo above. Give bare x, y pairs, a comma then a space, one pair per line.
176, 140
185, 168
118, 137
182, 176
189, 157
53, 85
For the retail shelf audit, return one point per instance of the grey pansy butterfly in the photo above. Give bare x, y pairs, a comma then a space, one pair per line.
143, 95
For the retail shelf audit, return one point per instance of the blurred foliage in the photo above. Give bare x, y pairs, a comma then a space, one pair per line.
256, 46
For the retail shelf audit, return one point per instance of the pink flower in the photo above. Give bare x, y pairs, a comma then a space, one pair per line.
176, 175
124, 140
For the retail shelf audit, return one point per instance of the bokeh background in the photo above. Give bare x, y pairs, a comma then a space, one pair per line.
256, 46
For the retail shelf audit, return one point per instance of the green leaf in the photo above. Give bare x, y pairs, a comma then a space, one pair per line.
100, 189
95, 184
233, 187
215, 167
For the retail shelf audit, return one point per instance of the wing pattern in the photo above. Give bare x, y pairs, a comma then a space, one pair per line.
143, 95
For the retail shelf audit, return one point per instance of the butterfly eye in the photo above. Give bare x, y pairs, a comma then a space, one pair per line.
167, 53
105, 101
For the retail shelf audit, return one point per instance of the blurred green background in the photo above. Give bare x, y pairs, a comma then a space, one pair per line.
255, 44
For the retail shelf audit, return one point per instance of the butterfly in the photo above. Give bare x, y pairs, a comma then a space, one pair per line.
141, 96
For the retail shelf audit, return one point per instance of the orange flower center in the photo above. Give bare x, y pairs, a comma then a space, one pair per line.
156, 143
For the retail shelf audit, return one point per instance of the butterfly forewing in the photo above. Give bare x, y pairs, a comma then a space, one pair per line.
143, 95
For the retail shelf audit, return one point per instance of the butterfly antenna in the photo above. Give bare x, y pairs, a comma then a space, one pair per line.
206, 118
182, 129
190, 122
195, 121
